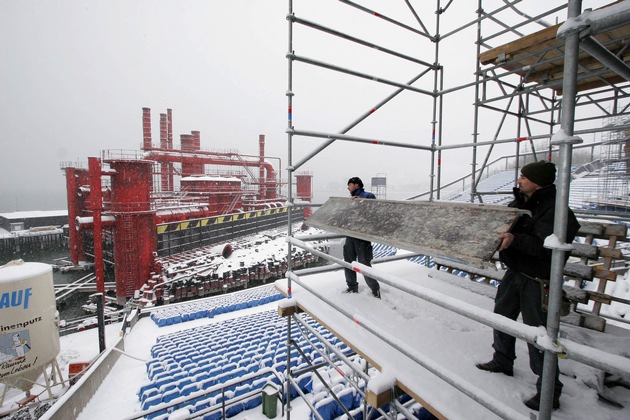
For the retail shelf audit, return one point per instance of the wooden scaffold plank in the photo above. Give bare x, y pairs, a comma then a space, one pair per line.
466, 233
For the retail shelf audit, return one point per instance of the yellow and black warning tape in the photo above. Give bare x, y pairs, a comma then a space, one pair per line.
190, 224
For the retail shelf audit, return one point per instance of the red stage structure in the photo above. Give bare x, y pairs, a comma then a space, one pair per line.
139, 193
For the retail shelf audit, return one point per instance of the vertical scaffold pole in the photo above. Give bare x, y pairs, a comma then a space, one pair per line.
565, 141
290, 172
97, 206
436, 173
475, 134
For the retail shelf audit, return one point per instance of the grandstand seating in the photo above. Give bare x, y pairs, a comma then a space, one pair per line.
209, 307
185, 364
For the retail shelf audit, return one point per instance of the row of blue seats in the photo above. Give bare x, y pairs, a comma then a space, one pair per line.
382, 250
203, 402
168, 375
184, 313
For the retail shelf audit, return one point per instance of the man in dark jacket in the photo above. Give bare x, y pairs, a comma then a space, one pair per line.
359, 249
528, 263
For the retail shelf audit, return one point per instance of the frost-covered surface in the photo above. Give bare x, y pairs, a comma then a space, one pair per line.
454, 344
18, 270
587, 17
33, 214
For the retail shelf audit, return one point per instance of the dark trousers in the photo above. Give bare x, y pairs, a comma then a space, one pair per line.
516, 294
358, 250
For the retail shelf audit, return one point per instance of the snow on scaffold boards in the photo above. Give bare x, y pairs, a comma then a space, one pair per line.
460, 232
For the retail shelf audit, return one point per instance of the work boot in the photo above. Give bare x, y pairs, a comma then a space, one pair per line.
352, 290
534, 402
376, 293
495, 367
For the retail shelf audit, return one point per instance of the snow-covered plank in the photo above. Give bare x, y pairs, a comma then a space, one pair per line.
467, 233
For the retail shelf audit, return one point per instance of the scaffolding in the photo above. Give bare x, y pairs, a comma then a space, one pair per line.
613, 187
537, 86
379, 186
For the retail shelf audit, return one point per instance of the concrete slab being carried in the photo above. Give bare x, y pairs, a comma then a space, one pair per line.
465, 233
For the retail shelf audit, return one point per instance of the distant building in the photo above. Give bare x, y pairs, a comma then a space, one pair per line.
23, 220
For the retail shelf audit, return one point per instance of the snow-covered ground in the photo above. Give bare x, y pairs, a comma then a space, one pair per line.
439, 338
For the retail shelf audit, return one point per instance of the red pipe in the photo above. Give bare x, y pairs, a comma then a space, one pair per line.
75, 177
146, 128
207, 159
261, 177
87, 223
196, 144
169, 146
188, 167
163, 145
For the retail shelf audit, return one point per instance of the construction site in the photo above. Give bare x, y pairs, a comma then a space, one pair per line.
132, 211
544, 89
546, 77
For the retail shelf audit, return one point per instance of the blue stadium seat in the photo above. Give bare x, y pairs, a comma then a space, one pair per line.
151, 401
234, 409
326, 408
208, 383
188, 389
167, 387
252, 402
215, 415
228, 367
242, 389
170, 395
279, 367
357, 413
151, 392
200, 377
158, 415
183, 382
238, 372
347, 399
252, 367
202, 404
259, 382
146, 387
305, 382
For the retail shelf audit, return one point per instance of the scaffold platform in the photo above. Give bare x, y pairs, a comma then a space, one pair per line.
444, 346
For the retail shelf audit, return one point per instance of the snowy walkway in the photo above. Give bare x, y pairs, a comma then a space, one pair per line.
446, 342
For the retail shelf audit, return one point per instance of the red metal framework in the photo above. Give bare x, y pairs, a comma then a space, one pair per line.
141, 193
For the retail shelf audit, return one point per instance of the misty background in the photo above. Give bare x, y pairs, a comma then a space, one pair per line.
75, 75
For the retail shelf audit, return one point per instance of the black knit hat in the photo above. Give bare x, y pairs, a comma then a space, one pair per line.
542, 173
356, 180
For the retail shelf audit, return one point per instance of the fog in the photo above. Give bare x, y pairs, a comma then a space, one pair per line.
75, 75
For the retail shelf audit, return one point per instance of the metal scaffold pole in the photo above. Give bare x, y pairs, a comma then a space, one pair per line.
97, 206
436, 173
565, 140
290, 177
516, 88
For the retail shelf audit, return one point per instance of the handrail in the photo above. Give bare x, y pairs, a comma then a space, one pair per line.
535, 335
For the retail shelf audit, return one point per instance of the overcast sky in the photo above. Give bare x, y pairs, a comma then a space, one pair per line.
75, 75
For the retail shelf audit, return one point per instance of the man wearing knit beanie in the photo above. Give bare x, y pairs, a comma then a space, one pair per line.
529, 267
542, 173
